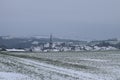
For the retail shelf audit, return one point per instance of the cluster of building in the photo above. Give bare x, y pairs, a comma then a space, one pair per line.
64, 46
69, 46
52, 46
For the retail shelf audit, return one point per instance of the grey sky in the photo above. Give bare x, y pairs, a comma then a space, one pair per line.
77, 19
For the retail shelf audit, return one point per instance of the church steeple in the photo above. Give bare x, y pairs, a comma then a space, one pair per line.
50, 42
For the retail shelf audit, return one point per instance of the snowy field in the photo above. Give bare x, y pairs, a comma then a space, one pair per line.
101, 65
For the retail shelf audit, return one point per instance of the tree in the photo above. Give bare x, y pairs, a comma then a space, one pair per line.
103, 44
117, 45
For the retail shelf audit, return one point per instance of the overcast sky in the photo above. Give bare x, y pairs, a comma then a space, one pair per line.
74, 19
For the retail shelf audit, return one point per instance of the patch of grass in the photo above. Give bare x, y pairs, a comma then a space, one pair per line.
7, 63
53, 62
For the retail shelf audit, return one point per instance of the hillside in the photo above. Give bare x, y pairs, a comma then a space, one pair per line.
27, 42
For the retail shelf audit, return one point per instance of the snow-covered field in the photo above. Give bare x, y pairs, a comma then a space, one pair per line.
101, 65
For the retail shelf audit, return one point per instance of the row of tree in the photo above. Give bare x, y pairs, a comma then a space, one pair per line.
106, 44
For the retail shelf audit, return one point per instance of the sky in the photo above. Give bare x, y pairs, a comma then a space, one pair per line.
71, 19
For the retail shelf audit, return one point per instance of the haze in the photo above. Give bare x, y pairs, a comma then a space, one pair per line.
72, 19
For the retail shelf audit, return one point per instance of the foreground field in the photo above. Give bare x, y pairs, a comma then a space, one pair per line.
103, 65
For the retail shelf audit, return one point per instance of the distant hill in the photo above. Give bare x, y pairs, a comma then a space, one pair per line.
6, 42
13, 42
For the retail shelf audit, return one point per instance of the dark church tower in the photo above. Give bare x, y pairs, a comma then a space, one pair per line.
51, 42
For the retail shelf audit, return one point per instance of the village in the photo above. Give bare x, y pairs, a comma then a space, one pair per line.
64, 46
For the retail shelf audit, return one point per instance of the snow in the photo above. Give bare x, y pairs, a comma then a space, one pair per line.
13, 76
36, 49
13, 50
35, 42
100, 66
97, 60
70, 72
111, 48
88, 48
97, 48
